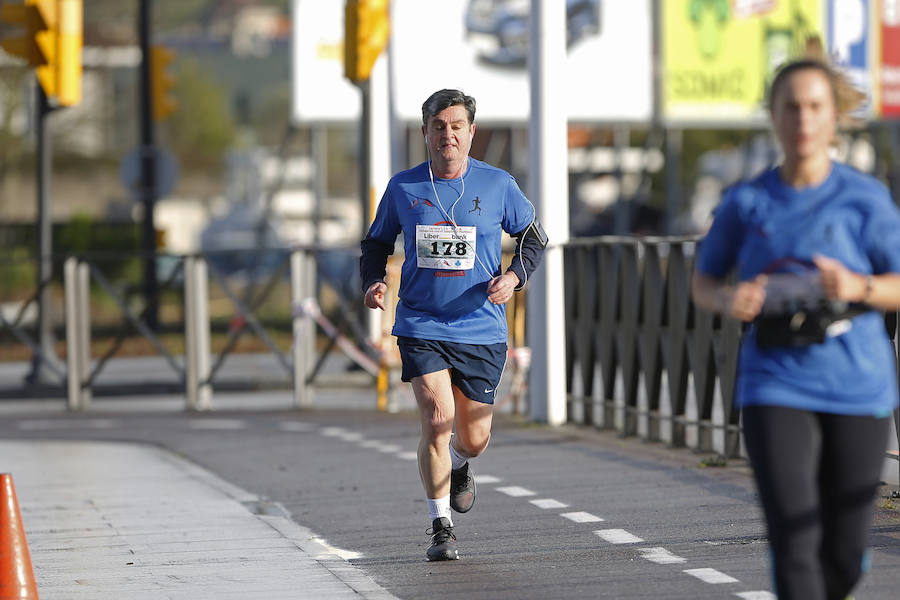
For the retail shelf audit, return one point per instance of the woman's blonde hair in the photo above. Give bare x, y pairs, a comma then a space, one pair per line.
846, 97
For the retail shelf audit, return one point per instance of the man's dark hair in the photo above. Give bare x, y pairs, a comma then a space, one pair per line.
442, 99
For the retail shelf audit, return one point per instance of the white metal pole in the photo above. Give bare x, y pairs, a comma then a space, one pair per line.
83, 275
548, 189
204, 359
70, 270
379, 154
303, 328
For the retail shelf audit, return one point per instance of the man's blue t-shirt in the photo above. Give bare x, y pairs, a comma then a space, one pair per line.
450, 304
766, 226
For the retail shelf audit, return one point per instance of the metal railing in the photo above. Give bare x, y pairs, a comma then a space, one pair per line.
641, 357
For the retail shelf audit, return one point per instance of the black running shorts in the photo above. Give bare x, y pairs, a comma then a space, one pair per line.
474, 368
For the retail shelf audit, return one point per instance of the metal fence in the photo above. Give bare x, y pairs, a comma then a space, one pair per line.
235, 320
641, 357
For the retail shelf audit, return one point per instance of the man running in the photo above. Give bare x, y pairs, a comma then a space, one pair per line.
450, 321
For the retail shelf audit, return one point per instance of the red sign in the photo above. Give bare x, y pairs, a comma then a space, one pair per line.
890, 58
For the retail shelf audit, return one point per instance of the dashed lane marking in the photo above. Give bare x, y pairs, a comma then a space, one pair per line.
350, 436
548, 503
217, 424
332, 431
660, 556
581, 517
618, 536
296, 426
408, 456
47, 424
487, 479
387, 448
710, 576
515, 491
760, 595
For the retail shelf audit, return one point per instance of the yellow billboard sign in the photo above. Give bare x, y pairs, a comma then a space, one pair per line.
718, 55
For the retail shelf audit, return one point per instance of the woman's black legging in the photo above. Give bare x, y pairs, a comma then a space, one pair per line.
817, 476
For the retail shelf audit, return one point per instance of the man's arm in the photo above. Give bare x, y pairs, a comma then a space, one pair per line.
530, 245
373, 261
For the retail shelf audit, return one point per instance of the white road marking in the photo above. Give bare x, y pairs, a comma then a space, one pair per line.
487, 479
332, 431
515, 491
377, 445
216, 424
408, 456
581, 517
296, 426
618, 536
548, 503
757, 595
711, 576
349, 436
387, 448
45, 424
660, 556
345, 554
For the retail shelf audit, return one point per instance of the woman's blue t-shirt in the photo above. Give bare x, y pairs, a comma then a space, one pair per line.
451, 304
766, 226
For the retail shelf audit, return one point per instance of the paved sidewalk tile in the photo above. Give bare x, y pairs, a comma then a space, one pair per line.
128, 521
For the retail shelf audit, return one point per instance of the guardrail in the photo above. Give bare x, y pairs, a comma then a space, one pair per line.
641, 357
198, 367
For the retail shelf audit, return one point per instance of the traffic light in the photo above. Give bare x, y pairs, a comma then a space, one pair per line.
162, 82
69, 17
51, 43
366, 32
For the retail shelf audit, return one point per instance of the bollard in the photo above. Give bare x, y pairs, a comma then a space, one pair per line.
78, 344
197, 346
303, 285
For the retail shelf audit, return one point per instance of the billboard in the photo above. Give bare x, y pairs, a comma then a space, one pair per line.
888, 91
718, 55
481, 47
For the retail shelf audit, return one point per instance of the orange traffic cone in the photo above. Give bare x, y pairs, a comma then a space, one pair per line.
16, 573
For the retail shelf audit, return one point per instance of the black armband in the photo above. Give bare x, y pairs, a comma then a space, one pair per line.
530, 245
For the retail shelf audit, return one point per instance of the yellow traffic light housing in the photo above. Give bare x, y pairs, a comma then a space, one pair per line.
162, 82
366, 32
51, 44
70, 18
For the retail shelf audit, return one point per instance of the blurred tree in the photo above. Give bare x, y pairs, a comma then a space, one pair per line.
202, 129
14, 144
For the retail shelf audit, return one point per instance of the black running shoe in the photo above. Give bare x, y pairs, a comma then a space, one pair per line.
462, 489
443, 546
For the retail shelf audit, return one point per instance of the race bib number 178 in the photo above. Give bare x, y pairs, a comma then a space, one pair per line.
445, 247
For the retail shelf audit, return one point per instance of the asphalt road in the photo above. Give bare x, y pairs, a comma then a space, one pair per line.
671, 527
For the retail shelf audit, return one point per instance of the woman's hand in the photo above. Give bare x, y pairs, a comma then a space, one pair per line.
839, 282
746, 301
742, 302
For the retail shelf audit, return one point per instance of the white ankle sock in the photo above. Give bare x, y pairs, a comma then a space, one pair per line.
456, 461
439, 507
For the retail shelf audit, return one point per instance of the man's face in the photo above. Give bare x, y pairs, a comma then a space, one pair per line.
449, 135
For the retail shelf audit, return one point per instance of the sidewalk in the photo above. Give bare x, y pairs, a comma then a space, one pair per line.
130, 521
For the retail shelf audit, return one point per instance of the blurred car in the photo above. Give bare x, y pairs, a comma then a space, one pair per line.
499, 28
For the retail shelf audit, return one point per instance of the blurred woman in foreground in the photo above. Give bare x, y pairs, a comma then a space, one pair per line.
816, 247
